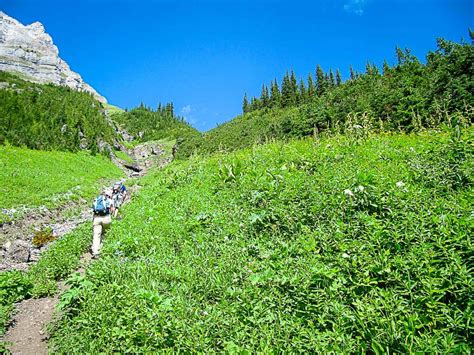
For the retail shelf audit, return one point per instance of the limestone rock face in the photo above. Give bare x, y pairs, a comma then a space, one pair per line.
29, 51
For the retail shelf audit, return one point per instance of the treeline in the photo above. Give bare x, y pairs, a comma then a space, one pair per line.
146, 124
409, 95
294, 93
445, 79
50, 117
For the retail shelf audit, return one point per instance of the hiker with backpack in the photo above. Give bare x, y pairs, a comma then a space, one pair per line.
119, 194
103, 207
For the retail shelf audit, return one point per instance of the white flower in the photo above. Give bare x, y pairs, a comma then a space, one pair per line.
359, 188
400, 184
345, 255
348, 192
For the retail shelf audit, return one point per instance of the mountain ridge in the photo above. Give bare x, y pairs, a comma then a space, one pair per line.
29, 51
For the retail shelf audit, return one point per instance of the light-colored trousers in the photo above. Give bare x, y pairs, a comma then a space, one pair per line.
101, 223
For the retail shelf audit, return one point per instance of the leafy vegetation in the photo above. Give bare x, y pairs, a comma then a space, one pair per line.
50, 117
408, 96
14, 286
43, 237
146, 124
124, 156
30, 178
55, 264
61, 258
345, 244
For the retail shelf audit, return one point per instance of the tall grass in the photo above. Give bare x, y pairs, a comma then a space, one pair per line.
31, 178
346, 245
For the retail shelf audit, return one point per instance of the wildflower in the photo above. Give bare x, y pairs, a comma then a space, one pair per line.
348, 192
359, 188
345, 255
400, 184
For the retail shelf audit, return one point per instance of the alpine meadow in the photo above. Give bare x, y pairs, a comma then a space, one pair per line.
332, 214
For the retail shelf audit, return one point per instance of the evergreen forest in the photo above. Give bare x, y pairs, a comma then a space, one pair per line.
407, 96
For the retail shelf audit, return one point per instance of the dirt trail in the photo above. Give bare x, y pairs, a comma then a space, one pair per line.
28, 334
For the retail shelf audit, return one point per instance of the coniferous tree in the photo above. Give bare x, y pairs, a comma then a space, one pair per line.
303, 93
286, 94
353, 74
386, 67
255, 104
320, 80
275, 95
311, 87
264, 98
245, 104
332, 80
293, 89
338, 78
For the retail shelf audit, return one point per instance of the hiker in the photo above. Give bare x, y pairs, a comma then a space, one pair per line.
119, 193
103, 206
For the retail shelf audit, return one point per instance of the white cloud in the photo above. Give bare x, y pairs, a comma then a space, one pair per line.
355, 6
186, 110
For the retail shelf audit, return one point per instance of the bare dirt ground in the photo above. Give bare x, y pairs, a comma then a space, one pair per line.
27, 333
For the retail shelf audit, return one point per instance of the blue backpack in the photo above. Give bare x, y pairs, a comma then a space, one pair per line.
100, 206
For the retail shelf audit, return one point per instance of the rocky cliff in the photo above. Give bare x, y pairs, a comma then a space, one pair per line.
29, 51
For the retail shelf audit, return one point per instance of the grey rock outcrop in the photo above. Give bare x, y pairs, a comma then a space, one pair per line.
30, 52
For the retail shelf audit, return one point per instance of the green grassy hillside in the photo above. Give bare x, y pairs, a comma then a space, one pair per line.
50, 117
31, 178
147, 125
408, 96
347, 244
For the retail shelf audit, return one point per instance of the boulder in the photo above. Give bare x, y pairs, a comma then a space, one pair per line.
35, 254
156, 149
19, 251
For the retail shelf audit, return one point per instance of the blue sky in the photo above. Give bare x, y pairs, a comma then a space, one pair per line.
204, 55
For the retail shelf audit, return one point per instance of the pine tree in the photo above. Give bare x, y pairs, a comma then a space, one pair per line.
338, 78
293, 89
264, 97
245, 105
311, 87
353, 74
255, 104
386, 67
286, 91
368, 68
400, 55
303, 93
332, 80
320, 80
275, 95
